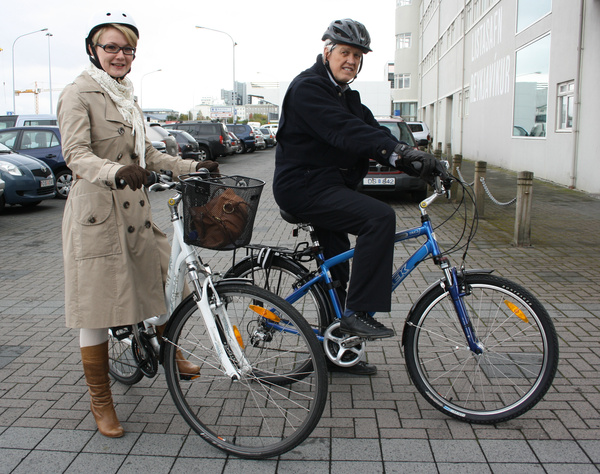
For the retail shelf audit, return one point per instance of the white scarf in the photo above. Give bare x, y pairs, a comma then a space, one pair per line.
121, 94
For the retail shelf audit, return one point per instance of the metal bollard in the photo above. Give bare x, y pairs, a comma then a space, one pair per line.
448, 151
456, 164
523, 212
480, 169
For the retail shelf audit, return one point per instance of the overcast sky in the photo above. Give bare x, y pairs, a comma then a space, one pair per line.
275, 41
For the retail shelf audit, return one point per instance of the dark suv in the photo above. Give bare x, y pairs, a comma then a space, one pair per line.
212, 137
246, 135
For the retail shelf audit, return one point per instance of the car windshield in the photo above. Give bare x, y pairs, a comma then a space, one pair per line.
401, 131
4, 149
187, 135
416, 127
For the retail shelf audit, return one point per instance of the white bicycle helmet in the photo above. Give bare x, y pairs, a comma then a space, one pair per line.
106, 18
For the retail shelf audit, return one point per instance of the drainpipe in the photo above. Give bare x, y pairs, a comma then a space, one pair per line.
577, 99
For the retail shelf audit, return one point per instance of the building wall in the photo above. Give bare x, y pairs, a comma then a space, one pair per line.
468, 59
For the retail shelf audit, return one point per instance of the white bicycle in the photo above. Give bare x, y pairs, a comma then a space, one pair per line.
262, 384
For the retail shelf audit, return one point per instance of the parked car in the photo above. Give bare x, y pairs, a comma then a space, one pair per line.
269, 137
235, 143
42, 142
158, 134
27, 180
188, 146
1, 187
272, 127
420, 132
246, 135
160, 146
388, 179
9, 121
261, 143
212, 137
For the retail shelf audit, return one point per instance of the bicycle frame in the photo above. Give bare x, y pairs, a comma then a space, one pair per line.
429, 248
183, 260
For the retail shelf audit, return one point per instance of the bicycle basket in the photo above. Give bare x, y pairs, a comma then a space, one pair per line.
219, 212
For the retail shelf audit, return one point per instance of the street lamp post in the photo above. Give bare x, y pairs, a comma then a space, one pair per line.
234, 94
49, 70
13, 64
142, 84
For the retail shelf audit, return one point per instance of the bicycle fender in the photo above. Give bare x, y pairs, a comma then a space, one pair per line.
430, 288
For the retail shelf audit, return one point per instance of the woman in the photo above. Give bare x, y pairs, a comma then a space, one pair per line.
115, 258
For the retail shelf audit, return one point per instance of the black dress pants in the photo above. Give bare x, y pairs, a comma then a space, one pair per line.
335, 211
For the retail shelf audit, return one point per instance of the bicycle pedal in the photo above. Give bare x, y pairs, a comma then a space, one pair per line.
121, 332
352, 341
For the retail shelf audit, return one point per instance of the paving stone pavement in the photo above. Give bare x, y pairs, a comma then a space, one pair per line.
376, 424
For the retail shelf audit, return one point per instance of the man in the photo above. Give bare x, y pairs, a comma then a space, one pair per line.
325, 139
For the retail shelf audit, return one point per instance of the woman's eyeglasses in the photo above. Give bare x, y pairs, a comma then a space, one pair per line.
114, 49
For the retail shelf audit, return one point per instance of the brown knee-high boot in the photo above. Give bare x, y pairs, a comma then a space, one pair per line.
185, 366
95, 368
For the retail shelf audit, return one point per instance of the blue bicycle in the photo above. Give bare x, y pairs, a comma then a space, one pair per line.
479, 348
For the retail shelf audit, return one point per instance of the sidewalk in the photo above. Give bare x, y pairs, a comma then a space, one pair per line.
373, 425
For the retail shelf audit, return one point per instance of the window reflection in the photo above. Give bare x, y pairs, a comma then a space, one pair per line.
529, 11
531, 88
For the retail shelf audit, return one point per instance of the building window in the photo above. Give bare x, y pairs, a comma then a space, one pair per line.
566, 100
402, 81
407, 110
531, 88
403, 3
530, 11
403, 40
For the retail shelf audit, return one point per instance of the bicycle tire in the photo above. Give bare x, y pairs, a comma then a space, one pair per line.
258, 416
121, 364
280, 277
518, 363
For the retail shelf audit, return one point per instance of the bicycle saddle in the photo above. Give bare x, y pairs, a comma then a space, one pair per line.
292, 219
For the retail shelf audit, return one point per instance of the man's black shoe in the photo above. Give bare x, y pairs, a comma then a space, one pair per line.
360, 368
363, 325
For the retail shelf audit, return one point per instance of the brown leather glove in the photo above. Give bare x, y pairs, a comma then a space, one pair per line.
132, 175
211, 166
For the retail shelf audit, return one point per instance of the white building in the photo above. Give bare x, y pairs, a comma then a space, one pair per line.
510, 82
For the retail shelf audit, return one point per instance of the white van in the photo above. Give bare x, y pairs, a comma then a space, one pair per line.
272, 127
8, 121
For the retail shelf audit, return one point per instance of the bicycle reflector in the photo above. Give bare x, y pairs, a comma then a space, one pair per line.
265, 313
516, 310
238, 336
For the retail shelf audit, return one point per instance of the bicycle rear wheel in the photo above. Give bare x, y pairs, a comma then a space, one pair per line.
275, 406
122, 365
281, 277
519, 359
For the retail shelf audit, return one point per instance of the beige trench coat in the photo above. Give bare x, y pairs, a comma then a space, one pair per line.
115, 258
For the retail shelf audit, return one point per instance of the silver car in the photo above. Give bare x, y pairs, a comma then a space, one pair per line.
158, 134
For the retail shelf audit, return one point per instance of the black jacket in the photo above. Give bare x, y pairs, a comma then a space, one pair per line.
322, 127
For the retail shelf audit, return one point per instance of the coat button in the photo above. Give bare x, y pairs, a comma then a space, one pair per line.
121, 131
130, 229
91, 220
119, 156
148, 224
142, 203
126, 204
384, 152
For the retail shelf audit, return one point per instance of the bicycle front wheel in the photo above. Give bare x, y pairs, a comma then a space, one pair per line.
275, 405
519, 358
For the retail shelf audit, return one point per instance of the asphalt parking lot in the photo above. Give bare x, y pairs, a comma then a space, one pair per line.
375, 425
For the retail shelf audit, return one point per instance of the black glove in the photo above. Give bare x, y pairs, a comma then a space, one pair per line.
133, 175
418, 163
211, 166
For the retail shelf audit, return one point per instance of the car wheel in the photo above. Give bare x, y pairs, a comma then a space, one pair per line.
252, 150
64, 180
243, 148
204, 154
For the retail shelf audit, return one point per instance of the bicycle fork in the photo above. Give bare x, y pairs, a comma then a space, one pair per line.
457, 299
210, 314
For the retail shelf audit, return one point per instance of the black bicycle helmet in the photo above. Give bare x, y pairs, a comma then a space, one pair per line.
103, 19
350, 32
